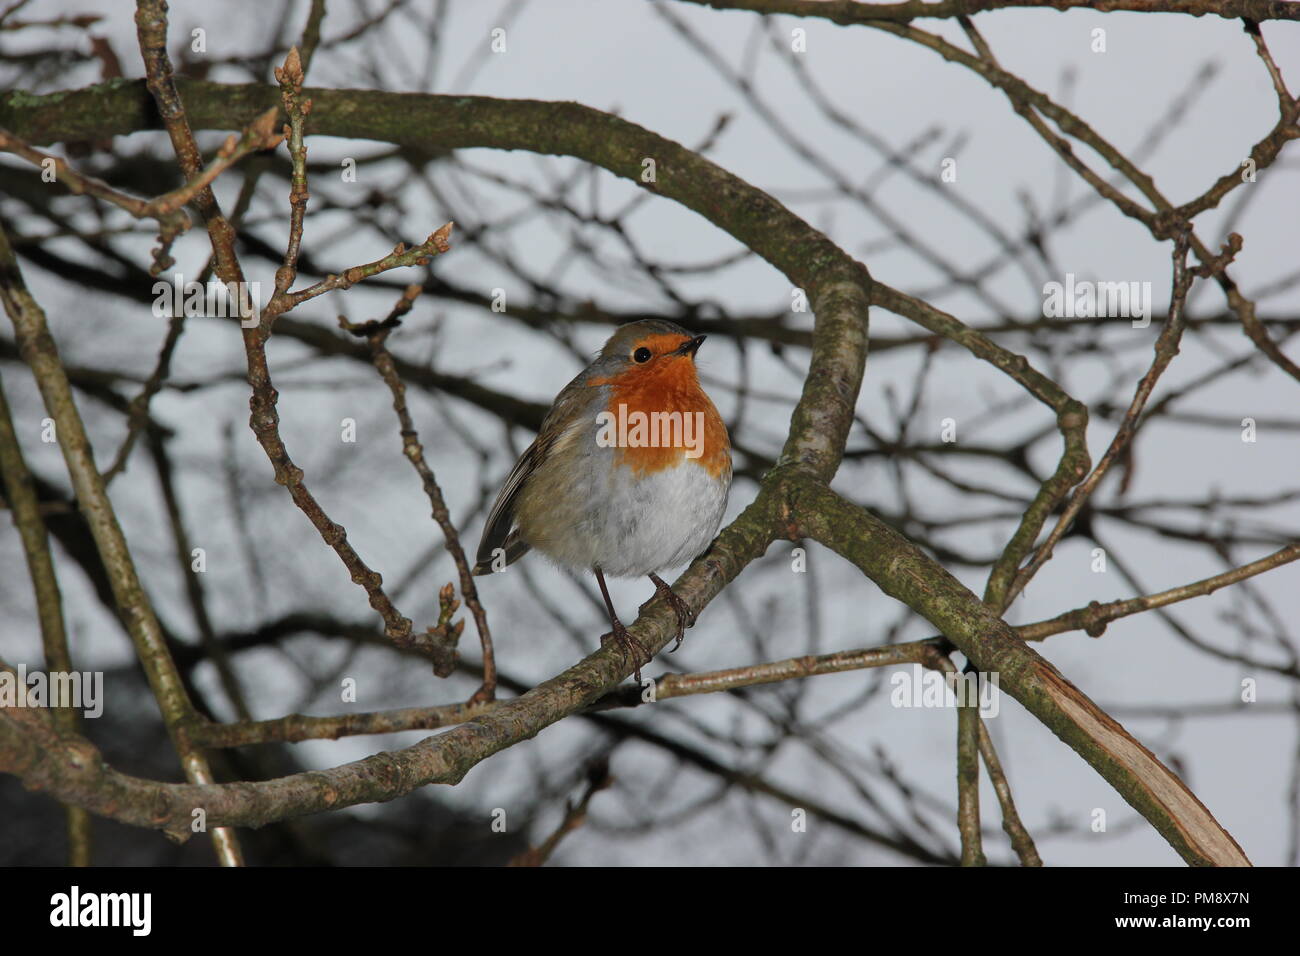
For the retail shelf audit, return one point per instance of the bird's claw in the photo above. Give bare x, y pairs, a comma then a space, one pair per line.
629, 646
685, 616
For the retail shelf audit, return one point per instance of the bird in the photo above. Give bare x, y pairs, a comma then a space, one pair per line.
628, 476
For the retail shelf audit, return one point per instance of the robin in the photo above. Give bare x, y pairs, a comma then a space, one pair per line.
628, 476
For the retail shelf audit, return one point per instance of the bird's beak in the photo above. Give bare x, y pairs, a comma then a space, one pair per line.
691, 347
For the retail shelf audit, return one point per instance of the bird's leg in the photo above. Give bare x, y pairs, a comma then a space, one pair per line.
685, 617
628, 644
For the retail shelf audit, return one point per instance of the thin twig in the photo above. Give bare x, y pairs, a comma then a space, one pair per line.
298, 727
1094, 618
376, 334
575, 815
1021, 841
295, 728
166, 209
265, 419
151, 32
1166, 348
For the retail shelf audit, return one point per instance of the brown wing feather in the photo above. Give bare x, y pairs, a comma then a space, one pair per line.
499, 531
561, 424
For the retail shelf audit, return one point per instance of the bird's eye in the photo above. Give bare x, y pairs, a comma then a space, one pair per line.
641, 355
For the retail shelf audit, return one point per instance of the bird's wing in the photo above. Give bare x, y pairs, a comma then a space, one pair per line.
498, 533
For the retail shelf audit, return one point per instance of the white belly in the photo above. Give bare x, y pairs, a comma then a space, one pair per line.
630, 525
661, 520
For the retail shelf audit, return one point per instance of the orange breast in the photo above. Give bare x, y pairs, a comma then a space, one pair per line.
674, 415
